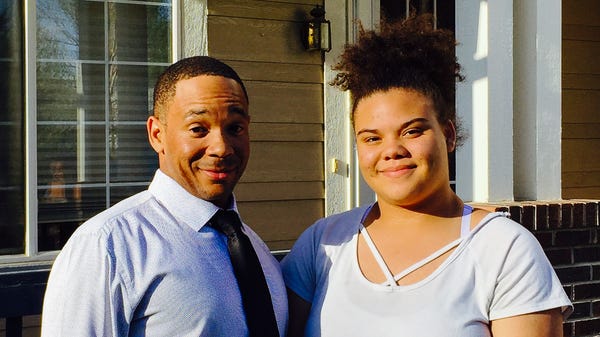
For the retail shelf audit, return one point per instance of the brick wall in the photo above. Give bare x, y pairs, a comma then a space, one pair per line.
568, 231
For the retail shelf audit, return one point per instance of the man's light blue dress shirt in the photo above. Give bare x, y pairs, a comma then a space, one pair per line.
149, 267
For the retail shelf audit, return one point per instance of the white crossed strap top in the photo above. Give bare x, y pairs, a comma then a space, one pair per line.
465, 229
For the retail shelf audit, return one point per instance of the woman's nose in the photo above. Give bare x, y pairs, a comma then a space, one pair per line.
394, 149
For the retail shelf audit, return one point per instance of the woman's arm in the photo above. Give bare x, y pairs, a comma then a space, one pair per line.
538, 324
298, 311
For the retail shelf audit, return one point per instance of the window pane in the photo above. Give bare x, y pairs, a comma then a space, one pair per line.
70, 92
92, 106
58, 220
121, 192
80, 150
132, 158
139, 32
91, 30
70, 30
12, 183
131, 88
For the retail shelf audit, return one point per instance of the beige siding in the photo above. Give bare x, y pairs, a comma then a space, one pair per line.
581, 99
282, 191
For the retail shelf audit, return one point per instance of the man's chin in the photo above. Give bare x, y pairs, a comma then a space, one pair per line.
218, 194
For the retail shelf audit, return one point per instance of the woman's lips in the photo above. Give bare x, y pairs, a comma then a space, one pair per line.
397, 170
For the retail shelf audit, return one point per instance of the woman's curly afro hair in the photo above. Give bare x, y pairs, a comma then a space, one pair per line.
408, 54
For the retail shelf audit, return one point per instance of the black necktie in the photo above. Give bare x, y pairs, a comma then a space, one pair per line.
256, 298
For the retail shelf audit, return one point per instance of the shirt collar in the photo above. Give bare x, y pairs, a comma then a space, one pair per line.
195, 212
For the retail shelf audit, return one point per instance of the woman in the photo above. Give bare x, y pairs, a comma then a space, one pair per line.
418, 262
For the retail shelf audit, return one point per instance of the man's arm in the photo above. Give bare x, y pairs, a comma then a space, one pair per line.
83, 296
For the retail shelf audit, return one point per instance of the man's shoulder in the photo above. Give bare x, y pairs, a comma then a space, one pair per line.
106, 221
103, 234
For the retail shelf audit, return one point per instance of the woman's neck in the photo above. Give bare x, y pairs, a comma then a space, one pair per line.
440, 205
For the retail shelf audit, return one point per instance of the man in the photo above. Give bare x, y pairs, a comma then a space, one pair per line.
153, 265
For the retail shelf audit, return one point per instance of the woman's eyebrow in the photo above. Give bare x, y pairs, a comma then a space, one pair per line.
403, 126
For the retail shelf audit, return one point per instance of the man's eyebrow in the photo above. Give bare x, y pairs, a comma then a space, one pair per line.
195, 112
403, 126
238, 110
235, 109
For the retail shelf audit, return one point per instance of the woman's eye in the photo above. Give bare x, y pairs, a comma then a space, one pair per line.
370, 139
413, 132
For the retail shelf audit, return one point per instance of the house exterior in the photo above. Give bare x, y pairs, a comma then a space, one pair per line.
76, 88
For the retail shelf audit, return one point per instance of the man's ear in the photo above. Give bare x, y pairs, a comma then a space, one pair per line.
450, 133
155, 133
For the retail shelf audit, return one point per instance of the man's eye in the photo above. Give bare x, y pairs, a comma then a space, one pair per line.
198, 130
236, 129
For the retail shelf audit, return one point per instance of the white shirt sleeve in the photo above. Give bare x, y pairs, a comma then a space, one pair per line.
525, 279
85, 295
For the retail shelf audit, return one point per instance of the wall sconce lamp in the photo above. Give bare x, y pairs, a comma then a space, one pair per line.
317, 31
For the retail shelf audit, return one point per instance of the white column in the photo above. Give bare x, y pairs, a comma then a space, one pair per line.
537, 164
344, 187
192, 28
368, 13
484, 31
336, 107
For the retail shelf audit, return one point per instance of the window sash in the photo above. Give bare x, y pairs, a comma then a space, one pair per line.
113, 190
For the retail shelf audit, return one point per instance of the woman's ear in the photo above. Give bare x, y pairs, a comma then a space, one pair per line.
155, 133
450, 133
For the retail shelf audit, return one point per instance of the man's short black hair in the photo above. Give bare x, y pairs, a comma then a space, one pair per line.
186, 68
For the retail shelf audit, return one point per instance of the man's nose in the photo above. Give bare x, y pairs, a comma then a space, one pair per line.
219, 144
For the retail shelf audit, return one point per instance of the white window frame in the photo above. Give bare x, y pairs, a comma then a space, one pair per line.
31, 255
